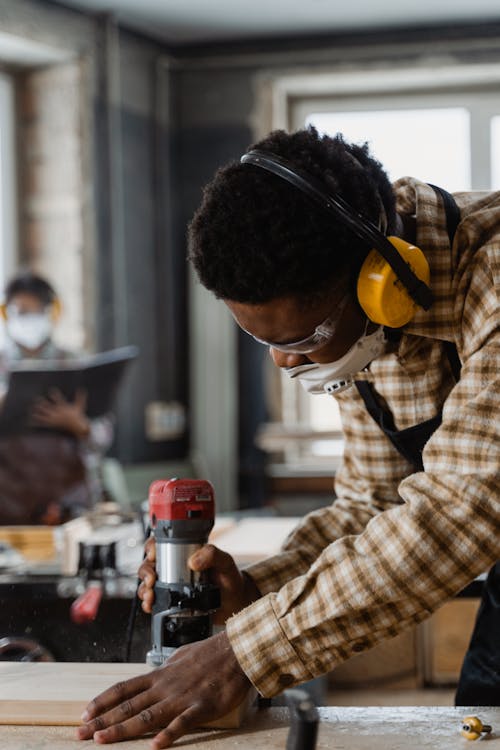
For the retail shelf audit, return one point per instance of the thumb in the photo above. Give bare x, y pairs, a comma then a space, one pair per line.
210, 556
150, 550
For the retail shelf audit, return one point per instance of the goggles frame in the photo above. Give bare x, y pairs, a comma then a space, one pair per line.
323, 333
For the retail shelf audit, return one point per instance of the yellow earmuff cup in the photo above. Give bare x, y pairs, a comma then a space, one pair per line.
383, 297
55, 310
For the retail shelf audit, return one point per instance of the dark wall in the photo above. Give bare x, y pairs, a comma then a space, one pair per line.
214, 127
141, 276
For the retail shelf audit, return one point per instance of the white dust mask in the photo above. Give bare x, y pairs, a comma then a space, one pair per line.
334, 377
30, 330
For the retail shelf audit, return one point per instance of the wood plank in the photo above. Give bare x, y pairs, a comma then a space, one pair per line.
444, 639
35, 543
56, 693
253, 539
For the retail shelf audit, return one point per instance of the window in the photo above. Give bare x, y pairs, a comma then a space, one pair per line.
447, 136
8, 217
495, 152
432, 144
439, 125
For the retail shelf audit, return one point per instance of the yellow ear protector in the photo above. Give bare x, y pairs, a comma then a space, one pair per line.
55, 309
394, 278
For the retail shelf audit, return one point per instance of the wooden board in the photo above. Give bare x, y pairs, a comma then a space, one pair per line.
56, 693
253, 539
346, 728
444, 639
35, 543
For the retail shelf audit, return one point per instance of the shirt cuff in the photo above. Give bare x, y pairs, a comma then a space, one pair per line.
263, 650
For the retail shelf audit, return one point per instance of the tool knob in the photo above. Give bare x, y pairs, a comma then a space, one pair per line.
85, 608
473, 728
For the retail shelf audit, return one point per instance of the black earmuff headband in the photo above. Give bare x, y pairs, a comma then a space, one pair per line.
359, 225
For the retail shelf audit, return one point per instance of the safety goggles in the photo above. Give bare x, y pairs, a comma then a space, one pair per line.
323, 333
14, 311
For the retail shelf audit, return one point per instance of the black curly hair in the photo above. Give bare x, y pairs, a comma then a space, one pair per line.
27, 282
255, 237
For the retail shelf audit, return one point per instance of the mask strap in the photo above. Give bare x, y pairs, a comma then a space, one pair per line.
368, 321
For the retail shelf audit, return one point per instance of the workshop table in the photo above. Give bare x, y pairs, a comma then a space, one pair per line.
340, 728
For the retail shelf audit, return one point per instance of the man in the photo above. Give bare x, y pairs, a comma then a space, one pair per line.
417, 513
47, 475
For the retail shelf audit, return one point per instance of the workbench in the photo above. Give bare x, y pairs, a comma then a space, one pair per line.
387, 728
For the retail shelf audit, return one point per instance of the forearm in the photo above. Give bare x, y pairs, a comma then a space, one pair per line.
308, 540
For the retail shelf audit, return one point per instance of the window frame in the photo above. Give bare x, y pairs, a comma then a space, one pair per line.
482, 105
8, 181
8, 184
474, 87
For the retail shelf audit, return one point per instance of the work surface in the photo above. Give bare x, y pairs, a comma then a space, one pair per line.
408, 728
53, 695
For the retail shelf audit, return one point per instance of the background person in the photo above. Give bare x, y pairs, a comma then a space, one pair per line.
52, 474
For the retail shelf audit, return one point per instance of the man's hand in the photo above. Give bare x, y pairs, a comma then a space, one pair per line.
58, 413
200, 682
237, 589
147, 574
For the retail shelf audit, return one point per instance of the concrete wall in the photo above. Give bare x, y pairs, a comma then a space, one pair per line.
141, 298
51, 185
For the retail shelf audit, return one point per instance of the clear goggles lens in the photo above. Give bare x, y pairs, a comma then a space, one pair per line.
323, 333
14, 311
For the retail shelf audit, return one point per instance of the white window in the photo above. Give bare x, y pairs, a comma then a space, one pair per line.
449, 137
495, 152
432, 144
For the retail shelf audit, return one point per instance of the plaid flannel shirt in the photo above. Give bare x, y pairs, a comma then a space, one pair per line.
396, 544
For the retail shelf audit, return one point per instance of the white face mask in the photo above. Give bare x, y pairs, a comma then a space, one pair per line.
29, 331
334, 377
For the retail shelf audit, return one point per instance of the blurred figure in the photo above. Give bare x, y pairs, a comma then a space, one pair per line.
52, 474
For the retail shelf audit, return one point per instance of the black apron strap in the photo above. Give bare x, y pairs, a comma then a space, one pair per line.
452, 212
451, 209
454, 360
409, 442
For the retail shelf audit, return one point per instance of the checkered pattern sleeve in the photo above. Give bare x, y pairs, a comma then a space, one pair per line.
396, 544
314, 533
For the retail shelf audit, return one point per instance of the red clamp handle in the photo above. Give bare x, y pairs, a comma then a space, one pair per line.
85, 608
